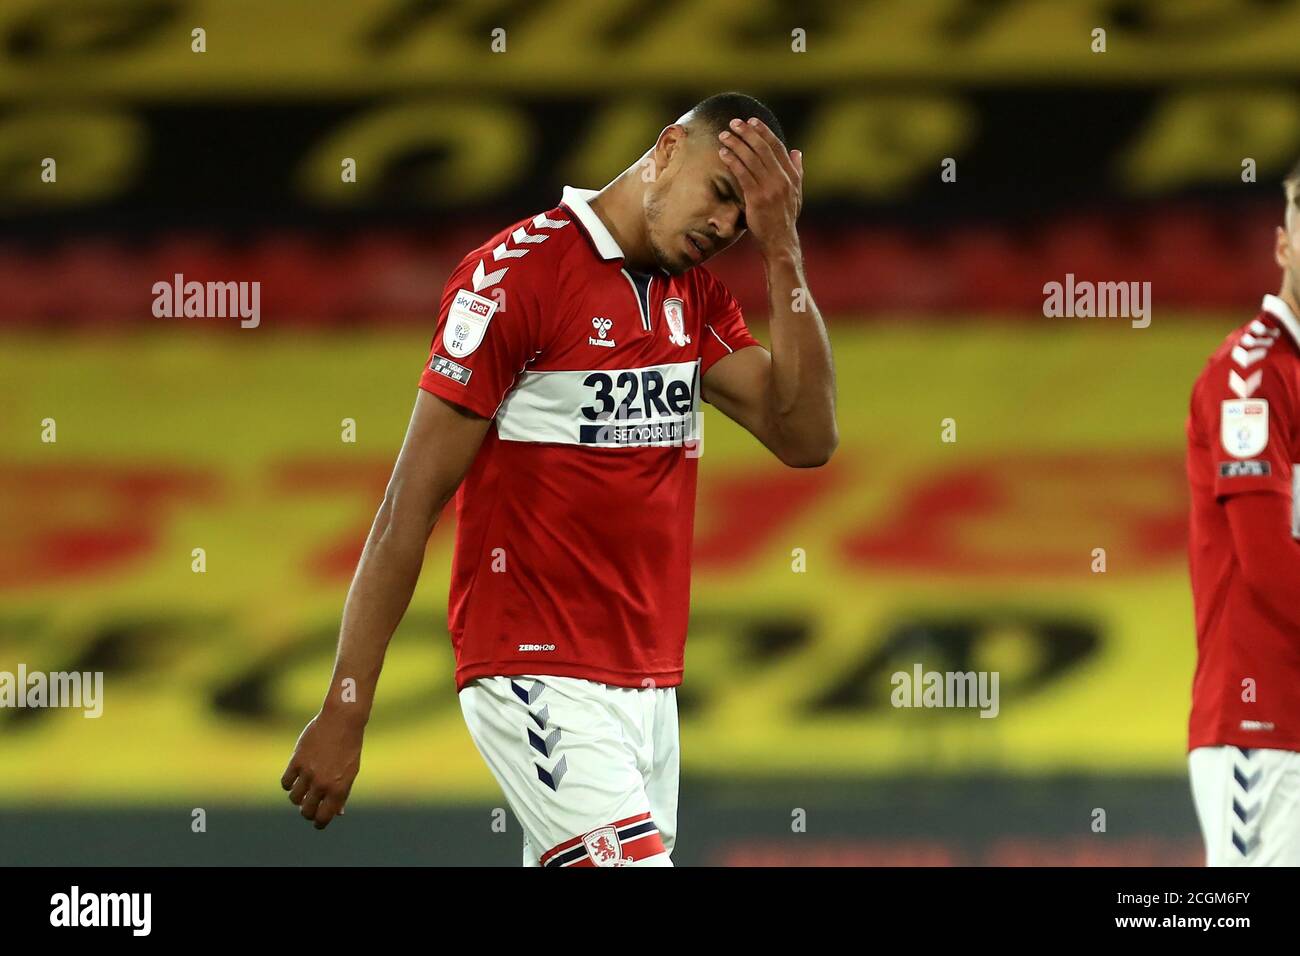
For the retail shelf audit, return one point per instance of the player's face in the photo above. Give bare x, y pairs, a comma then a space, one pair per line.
693, 208
1287, 251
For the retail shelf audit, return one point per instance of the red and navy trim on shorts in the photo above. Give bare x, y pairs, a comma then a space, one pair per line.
638, 838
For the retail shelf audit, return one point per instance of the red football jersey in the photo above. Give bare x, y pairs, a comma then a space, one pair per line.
1241, 437
574, 522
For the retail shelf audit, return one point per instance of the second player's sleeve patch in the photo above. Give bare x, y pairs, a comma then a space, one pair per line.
1243, 426
1245, 469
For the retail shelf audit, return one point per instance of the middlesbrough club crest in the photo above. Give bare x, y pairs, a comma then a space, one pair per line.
603, 847
676, 318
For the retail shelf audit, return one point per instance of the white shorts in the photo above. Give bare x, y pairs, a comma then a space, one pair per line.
1248, 804
590, 770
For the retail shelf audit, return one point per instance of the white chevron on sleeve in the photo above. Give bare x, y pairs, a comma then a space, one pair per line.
520, 236
1248, 339
501, 252
1247, 358
484, 279
1244, 387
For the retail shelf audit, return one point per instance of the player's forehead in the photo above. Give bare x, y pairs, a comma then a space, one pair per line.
709, 160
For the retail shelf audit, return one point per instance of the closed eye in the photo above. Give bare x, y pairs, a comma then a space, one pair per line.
725, 193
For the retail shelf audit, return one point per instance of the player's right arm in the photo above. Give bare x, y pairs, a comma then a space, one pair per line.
489, 327
1253, 479
441, 442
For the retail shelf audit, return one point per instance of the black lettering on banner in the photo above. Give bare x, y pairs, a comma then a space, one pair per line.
649, 386
654, 386
679, 397
626, 412
604, 394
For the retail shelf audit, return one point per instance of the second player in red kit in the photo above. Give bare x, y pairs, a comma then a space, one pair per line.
1243, 435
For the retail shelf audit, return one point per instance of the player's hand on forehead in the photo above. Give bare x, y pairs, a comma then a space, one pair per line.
754, 154
770, 176
758, 148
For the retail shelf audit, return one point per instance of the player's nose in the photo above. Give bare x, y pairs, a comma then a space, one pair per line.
724, 228
726, 223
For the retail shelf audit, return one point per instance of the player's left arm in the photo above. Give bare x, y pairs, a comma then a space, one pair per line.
785, 397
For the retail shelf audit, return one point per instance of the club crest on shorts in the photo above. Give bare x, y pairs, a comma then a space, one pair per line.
603, 847
675, 314
467, 320
1243, 426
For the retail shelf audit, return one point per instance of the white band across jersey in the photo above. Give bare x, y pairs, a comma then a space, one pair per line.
653, 406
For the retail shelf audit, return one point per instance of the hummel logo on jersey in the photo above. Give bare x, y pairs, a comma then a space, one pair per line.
602, 327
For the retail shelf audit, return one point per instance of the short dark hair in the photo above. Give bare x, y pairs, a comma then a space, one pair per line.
715, 112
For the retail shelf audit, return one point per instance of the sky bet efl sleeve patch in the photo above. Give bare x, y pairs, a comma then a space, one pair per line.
467, 320
1243, 426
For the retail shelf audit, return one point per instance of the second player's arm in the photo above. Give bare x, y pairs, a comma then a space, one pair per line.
1270, 558
441, 442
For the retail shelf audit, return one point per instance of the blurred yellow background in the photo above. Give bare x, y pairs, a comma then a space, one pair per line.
959, 156
1060, 449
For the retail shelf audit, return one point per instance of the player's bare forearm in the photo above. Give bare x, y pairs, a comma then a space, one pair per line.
327, 757
380, 593
440, 444
801, 393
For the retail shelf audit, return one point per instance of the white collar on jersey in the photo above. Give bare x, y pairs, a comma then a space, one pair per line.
1275, 306
577, 200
